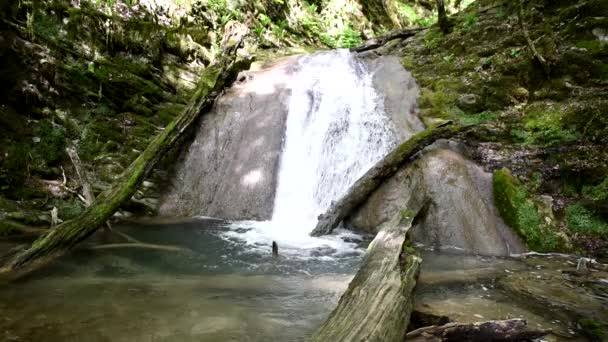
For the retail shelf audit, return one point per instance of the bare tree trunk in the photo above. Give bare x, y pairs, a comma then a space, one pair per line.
442, 17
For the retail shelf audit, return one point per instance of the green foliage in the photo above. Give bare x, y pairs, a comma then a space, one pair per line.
51, 147
585, 222
469, 20
519, 212
407, 12
545, 126
17, 162
598, 192
593, 328
45, 26
475, 119
593, 46
346, 38
432, 38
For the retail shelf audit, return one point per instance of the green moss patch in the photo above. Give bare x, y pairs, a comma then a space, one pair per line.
519, 211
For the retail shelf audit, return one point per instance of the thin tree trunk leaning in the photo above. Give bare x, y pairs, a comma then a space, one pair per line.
65, 236
383, 170
442, 17
377, 42
524, 28
87, 189
378, 302
506, 331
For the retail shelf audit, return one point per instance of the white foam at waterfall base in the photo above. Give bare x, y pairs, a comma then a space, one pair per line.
336, 130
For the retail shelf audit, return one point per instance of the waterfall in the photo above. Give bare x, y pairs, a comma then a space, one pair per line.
337, 128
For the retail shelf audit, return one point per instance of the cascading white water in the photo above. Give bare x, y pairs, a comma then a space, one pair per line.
336, 130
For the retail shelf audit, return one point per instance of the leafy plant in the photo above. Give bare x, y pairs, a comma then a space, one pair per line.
475, 119
585, 222
470, 20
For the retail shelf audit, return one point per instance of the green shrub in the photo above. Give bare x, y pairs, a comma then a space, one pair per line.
546, 127
585, 222
599, 192
51, 147
475, 119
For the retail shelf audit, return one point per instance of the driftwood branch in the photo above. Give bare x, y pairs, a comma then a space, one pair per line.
377, 42
505, 331
68, 234
383, 170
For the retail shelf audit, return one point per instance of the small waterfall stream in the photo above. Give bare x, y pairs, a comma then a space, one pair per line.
337, 128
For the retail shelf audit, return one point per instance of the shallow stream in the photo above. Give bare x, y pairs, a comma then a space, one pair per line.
217, 289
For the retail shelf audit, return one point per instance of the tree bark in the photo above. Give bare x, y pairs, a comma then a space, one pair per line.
508, 330
378, 302
442, 17
383, 170
65, 236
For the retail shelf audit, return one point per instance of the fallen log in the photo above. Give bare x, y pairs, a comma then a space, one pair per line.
377, 42
383, 170
379, 300
505, 331
65, 236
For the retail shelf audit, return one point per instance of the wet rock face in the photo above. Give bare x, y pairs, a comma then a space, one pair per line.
398, 88
459, 211
230, 169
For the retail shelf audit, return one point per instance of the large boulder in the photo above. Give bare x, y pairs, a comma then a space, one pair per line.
459, 211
